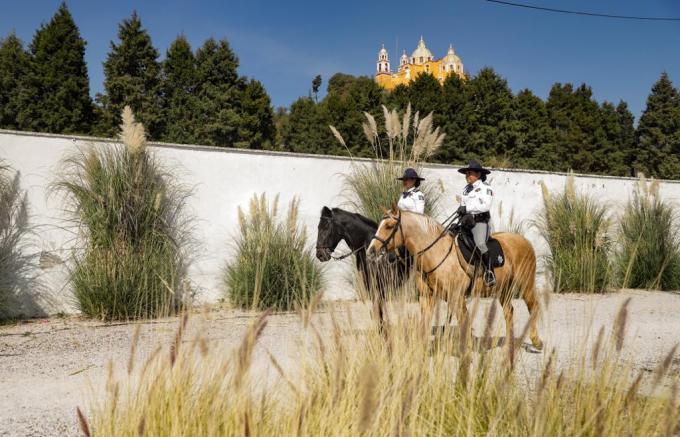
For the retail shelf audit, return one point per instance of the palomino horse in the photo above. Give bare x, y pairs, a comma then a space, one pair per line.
444, 273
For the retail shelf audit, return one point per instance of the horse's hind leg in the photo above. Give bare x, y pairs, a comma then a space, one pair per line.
530, 299
508, 312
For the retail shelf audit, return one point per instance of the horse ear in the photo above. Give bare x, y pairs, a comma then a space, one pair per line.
394, 208
326, 212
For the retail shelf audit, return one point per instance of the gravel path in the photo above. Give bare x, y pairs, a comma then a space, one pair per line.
49, 367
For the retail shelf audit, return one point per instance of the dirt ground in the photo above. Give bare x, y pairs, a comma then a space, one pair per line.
49, 367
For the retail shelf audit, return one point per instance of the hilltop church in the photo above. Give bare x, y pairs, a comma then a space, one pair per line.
421, 61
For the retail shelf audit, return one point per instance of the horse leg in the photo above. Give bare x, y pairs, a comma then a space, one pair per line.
457, 300
508, 311
426, 302
529, 297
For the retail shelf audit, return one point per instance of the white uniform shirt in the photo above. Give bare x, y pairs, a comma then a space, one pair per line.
412, 200
477, 198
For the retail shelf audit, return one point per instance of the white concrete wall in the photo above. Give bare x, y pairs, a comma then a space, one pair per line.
223, 179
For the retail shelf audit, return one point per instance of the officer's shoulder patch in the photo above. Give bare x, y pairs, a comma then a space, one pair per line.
420, 196
486, 183
489, 192
477, 190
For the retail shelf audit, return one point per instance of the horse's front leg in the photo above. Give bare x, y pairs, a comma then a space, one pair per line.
426, 298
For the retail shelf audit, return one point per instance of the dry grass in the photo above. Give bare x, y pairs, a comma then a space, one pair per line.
356, 382
405, 141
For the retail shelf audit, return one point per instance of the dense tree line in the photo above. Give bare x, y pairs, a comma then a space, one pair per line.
197, 96
189, 97
483, 119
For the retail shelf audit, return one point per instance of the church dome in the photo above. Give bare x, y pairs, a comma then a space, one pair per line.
421, 54
451, 62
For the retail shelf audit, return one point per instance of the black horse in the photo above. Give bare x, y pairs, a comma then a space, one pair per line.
336, 225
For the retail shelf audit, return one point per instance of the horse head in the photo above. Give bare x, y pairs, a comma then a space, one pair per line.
328, 236
389, 236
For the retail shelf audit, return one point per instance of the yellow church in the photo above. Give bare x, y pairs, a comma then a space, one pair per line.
421, 61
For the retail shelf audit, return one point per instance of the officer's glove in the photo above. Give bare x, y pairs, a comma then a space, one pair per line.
467, 222
461, 210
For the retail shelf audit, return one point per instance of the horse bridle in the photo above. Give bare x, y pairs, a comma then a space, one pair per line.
390, 237
331, 249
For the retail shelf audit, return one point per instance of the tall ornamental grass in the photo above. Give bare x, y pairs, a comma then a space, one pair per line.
273, 267
576, 228
134, 233
351, 381
407, 141
649, 255
14, 264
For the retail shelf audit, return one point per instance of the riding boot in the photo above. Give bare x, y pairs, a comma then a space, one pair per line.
489, 276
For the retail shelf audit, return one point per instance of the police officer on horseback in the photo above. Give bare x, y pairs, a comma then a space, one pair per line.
412, 199
474, 213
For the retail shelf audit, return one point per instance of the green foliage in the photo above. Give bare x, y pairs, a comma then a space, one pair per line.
14, 66
179, 100
55, 93
132, 78
14, 264
256, 128
346, 99
130, 216
273, 268
218, 94
649, 254
576, 228
658, 152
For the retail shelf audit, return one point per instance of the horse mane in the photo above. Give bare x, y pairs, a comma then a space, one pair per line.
365, 220
427, 223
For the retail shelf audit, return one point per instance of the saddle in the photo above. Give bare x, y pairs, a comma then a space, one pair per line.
471, 254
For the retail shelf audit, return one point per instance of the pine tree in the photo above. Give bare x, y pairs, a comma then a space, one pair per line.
626, 136
55, 96
492, 134
256, 130
425, 94
180, 106
219, 90
343, 107
132, 77
615, 141
658, 132
14, 65
577, 123
453, 117
535, 143
307, 130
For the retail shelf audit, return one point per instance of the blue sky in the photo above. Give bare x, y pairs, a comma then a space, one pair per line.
285, 44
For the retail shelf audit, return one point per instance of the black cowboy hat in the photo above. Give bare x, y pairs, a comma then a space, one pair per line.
474, 166
411, 173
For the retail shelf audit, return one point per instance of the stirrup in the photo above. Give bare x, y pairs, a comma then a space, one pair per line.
489, 278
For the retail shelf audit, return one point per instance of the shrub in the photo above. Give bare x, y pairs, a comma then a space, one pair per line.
129, 213
576, 229
405, 143
14, 264
649, 255
273, 267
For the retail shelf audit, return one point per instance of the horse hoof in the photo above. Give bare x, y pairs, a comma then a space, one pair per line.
532, 349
